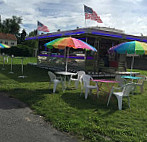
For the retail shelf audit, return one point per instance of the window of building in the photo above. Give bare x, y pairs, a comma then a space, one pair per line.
6, 42
12, 43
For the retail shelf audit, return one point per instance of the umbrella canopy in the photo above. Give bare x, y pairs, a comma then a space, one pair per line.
132, 47
64, 42
2, 45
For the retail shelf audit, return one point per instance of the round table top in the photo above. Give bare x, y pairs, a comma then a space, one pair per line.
131, 77
65, 73
127, 73
106, 81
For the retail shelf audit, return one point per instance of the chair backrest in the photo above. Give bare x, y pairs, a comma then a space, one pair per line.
51, 75
86, 79
121, 81
80, 74
141, 81
127, 89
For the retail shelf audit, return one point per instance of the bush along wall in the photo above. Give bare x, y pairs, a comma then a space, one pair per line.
20, 50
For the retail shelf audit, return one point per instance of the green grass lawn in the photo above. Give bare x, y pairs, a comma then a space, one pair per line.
90, 120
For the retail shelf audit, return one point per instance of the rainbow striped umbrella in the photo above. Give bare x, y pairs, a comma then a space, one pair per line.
132, 47
62, 43
70, 42
2, 45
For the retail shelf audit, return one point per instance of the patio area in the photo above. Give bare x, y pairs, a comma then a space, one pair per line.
90, 120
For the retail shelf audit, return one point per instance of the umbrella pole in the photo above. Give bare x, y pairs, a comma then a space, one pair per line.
67, 59
132, 63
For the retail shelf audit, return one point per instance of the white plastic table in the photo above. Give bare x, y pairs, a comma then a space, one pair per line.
64, 75
11, 71
109, 84
127, 73
22, 68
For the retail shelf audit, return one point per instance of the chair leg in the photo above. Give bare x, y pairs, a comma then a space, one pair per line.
86, 92
110, 96
119, 99
55, 85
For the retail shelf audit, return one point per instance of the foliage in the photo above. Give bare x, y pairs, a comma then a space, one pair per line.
22, 36
32, 44
33, 33
11, 25
90, 120
19, 50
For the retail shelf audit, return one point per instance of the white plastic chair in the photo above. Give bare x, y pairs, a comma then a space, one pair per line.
54, 79
86, 81
140, 82
121, 81
124, 93
78, 79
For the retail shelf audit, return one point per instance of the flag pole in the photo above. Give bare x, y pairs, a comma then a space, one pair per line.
38, 44
85, 24
85, 55
84, 16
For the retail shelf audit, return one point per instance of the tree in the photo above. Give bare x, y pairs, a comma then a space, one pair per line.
32, 44
33, 33
11, 25
23, 35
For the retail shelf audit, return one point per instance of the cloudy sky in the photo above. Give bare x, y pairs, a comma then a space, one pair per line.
127, 15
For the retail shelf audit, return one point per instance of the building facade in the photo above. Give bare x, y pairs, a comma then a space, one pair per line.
8, 39
101, 38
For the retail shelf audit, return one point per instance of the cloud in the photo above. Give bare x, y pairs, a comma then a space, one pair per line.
127, 15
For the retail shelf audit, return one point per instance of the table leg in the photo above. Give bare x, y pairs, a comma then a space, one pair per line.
22, 76
97, 90
65, 86
11, 66
109, 90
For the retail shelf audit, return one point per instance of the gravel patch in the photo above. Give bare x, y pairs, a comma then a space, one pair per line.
19, 124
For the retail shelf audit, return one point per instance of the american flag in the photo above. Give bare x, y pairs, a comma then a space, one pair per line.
42, 27
90, 14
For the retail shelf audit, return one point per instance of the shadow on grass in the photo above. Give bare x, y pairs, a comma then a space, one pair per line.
92, 102
7, 102
32, 73
28, 97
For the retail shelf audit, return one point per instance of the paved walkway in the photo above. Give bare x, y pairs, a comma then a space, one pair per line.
19, 124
